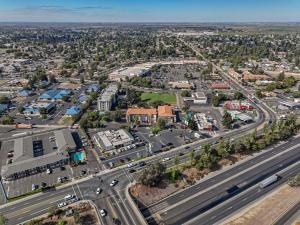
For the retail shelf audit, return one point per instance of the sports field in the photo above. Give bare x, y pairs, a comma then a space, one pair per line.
165, 97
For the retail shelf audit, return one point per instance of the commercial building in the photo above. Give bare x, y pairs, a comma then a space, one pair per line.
108, 98
113, 139
240, 116
184, 84
247, 76
196, 98
142, 116
203, 122
34, 109
35, 154
238, 105
55, 95
234, 74
73, 111
219, 86
133, 71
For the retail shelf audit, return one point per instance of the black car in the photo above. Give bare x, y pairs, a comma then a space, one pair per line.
142, 163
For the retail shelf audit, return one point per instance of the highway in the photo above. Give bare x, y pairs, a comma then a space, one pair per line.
214, 195
223, 175
219, 213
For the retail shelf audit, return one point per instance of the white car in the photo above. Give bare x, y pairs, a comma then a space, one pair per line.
131, 165
49, 171
166, 159
69, 197
62, 204
113, 183
103, 212
98, 191
33, 187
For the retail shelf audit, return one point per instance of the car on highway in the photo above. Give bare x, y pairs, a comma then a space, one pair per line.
113, 183
98, 191
103, 212
49, 171
62, 204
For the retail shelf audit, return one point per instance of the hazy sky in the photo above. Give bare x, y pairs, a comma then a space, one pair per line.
150, 10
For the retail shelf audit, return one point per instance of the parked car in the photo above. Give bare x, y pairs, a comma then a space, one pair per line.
103, 212
98, 191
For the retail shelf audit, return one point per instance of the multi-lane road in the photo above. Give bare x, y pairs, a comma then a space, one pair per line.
183, 206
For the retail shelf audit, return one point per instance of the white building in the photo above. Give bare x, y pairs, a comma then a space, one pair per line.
107, 98
112, 139
197, 98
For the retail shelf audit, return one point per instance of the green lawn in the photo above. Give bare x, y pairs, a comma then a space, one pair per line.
165, 97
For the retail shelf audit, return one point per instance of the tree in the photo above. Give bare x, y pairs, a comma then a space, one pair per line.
65, 98
281, 76
258, 94
238, 95
7, 120
227, 120
43, 111
116, 116
186, 93
82, 80
161, 123
223, 149
192, 124
62, 222
153, 174
4, 100
215, 101
21, 109
52, 79
3, 220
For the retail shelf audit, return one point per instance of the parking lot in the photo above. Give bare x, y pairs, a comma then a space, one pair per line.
43, 144
24, 185
164, 141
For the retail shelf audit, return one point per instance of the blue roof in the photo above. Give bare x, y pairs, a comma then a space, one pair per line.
93, 88
3, 107
82, 98
24, 93
32, 109
55, 94
74, 110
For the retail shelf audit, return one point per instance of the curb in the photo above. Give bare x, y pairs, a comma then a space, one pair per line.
141, 218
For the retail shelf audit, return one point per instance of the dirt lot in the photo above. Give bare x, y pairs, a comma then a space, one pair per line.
268, 209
